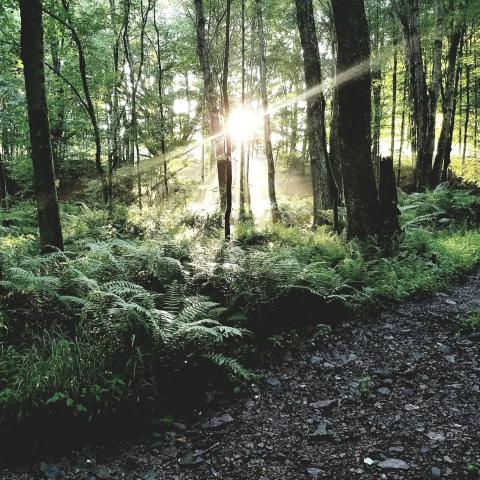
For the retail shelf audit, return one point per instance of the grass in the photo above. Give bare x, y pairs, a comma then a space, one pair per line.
136, 305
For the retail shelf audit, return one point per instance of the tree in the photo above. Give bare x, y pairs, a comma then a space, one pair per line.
354, 85
266, 116
321, 180
211, 101
424, 99
32, 52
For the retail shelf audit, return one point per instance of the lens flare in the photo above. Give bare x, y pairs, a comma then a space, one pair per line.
243, 125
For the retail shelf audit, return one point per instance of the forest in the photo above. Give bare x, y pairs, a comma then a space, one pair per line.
239, 239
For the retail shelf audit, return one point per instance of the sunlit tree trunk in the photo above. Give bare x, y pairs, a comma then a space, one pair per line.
442, 157
242, 146
424, 100
354, 117
402, 126
211, 101
266, 116
226, 110
32, 53
163, 143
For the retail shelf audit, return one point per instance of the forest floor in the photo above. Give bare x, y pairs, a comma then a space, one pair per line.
395, 397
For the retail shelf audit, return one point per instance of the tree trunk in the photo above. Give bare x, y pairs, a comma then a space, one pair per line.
32, 52
354, 118
242, 198
163, 144
88, 99
424, 101
226, 110
442, 156
467, 111
266, 116
211, 101
388, 199
394, 102
402, 127
322, 196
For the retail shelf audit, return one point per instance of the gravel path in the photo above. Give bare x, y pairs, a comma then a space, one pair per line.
397, 397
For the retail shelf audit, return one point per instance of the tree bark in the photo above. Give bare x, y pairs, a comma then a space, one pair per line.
226, 109
388, 199
322, 195
32, 53
211, 101
442, 156
424, 100
266, 116
354, 118
163, 144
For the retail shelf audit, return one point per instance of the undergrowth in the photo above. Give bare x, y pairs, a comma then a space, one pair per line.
135, 305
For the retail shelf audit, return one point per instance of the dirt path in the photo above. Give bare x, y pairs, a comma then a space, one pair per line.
418, 416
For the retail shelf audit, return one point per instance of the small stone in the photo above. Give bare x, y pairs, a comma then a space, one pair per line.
384, 391
450, 358
436, 472
315, 360
321, 431
190, 459
449, 301
473, 337
443, 348
410, 408
436, 437
323, 404
217, 422
179, 427
314, 472
49, 471
393, 464
272, 382
396, 449
424, 450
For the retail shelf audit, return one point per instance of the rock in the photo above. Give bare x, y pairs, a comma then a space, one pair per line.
473, 337
393, 464
396, 449
436, 472
443, 348
424, 450
103, 473
321, 431
191, 459
217, 422
449, 301
410, 408
272, 382
346, 359
323, 404
314, 360
450, 358
384, 391
436, 437
314, 472
179, 427
50, 471
169, 452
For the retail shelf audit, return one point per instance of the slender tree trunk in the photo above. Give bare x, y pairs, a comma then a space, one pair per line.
354, 118
402, 127
322, 194
211, 100
442, 157
226, 109
467, 111
3, 184
266, 116
86, 90
242, 146
424, 100
394, 102
163, 144
32, 52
